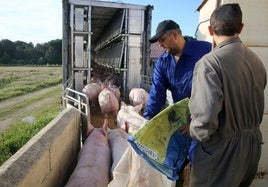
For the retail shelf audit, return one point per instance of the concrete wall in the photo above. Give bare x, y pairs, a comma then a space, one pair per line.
49, 157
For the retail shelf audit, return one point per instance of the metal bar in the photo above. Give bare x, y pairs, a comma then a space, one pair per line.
107, 4
81, 102
89, 44
125, 60
72, 39
65, 40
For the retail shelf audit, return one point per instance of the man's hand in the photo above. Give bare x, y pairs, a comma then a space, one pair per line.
184, 130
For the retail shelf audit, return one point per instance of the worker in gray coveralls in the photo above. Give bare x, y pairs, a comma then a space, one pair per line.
227, 106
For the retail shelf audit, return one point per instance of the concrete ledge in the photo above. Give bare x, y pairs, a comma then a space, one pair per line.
49, 157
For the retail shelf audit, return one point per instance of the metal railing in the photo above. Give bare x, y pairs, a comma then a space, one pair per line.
76, 99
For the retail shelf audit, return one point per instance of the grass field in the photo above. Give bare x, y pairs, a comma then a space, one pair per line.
22, 95
19, 80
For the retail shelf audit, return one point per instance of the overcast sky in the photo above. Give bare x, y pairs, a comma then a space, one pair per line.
40, 21
36, 21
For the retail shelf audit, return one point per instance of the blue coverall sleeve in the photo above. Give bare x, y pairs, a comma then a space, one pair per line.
157, 96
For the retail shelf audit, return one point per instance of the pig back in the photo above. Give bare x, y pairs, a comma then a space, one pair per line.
92, 91
108, 101
118, 145
94, 161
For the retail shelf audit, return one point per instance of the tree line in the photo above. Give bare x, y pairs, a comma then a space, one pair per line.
22, 53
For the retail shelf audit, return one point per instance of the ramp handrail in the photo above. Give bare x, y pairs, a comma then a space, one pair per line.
76, 99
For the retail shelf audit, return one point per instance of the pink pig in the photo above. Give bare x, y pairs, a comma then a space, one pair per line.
129, 118
138, 96
92, 90
115, 90
94, 160
108, 102
118, 145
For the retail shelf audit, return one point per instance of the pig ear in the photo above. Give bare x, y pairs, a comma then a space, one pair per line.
102, 85
138, 107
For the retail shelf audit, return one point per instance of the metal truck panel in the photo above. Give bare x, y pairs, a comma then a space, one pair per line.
112, 35
136, 21
135, 57
79, 51
79, 19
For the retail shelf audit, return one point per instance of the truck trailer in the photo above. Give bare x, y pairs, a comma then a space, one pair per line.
111, 36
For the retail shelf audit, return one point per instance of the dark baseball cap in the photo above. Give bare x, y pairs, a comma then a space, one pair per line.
163, 27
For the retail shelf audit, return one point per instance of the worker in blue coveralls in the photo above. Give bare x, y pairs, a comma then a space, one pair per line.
173, 70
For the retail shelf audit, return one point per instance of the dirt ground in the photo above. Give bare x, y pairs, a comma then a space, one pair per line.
17, 112
97, 118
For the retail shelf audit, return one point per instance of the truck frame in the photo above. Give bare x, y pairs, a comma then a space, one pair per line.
112, 35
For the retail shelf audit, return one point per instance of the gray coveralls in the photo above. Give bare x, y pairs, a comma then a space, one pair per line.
227, 106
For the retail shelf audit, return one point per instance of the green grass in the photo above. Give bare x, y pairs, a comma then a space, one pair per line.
5, 81
7, 110
16, 81
21, 132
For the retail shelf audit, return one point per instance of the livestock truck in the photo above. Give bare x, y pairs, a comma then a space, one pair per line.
104, 38
107, 35
96, 35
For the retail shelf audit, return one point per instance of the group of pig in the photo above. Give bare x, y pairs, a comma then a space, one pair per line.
106, 94
107, 159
